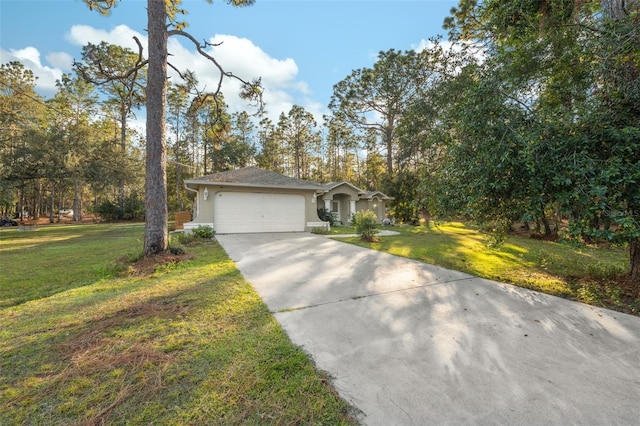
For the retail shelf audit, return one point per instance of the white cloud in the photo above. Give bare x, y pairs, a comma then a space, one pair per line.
237, 55
121, 35
446, 45
428, 44
316, 109
245, 60
30, 58
60, 60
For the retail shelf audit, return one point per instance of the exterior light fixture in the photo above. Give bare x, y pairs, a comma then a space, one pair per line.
206, 193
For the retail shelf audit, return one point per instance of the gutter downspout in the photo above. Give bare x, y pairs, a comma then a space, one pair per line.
197, 199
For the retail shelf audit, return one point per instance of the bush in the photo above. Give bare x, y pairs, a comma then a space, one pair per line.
203, 232
328, 216
132, 209
320, 230
183, 238
176, 250
365, 223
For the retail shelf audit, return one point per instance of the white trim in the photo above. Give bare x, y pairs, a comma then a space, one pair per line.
188, 226
319, 225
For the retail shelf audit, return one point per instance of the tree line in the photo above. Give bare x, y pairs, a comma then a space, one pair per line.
79, 149
531, 115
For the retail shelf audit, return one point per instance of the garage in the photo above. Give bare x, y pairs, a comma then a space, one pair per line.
252, 200
246, 212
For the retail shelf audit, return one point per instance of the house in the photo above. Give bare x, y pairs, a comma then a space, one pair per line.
251, 200
343, 200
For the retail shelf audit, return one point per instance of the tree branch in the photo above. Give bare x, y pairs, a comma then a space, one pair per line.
250, 90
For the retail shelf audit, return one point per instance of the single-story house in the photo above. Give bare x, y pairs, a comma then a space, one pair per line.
251, 200
343, 200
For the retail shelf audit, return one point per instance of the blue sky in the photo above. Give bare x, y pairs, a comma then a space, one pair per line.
300, 48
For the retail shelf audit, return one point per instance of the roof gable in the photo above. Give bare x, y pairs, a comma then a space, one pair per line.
332, 185
370, 194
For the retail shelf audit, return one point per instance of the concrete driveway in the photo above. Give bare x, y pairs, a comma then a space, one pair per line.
413, 344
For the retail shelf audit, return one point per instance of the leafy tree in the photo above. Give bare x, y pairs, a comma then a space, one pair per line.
75, 104
241, 149
177, 112
218, 134
341, 145
21, 124
297, 129
560, 95
211, 119
117, 72
270, 155
405, 188
373, 173
107, 167
162, 23
376, 98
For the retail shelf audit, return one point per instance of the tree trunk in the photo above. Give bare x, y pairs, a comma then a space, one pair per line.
204, 172
389, 142
545, 223
156, 215
21, 202
634, 262
52, 201
123, 152
37, 201
76, 200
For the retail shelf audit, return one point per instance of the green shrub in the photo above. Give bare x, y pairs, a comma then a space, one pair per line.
203, 232
320, 230
132, 209
327, 216
182, 238
365, 223
602, 270
176, 250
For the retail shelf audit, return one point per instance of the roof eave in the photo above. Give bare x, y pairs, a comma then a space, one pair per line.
252, 185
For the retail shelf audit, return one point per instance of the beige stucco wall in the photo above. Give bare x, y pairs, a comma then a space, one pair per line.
205, 213
375, 205
344, 194
342, 189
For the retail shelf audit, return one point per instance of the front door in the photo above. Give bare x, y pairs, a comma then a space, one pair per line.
335, 209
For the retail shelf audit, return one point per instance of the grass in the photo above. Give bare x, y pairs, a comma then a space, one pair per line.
88, 339
589, 274
342, 229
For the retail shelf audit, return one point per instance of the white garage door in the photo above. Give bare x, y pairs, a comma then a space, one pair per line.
244, 212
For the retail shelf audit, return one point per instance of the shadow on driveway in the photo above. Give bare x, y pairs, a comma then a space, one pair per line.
411, 344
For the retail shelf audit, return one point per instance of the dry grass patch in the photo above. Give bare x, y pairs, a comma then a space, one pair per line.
173, 340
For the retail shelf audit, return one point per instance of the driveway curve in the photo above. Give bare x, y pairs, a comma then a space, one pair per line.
408, 343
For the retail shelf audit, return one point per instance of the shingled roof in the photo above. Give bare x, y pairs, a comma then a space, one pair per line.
255, 177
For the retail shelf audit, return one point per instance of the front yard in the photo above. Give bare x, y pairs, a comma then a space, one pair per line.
592, 275
89, 334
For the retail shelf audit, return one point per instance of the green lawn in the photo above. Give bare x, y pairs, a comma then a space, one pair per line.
589, 274
86, 339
